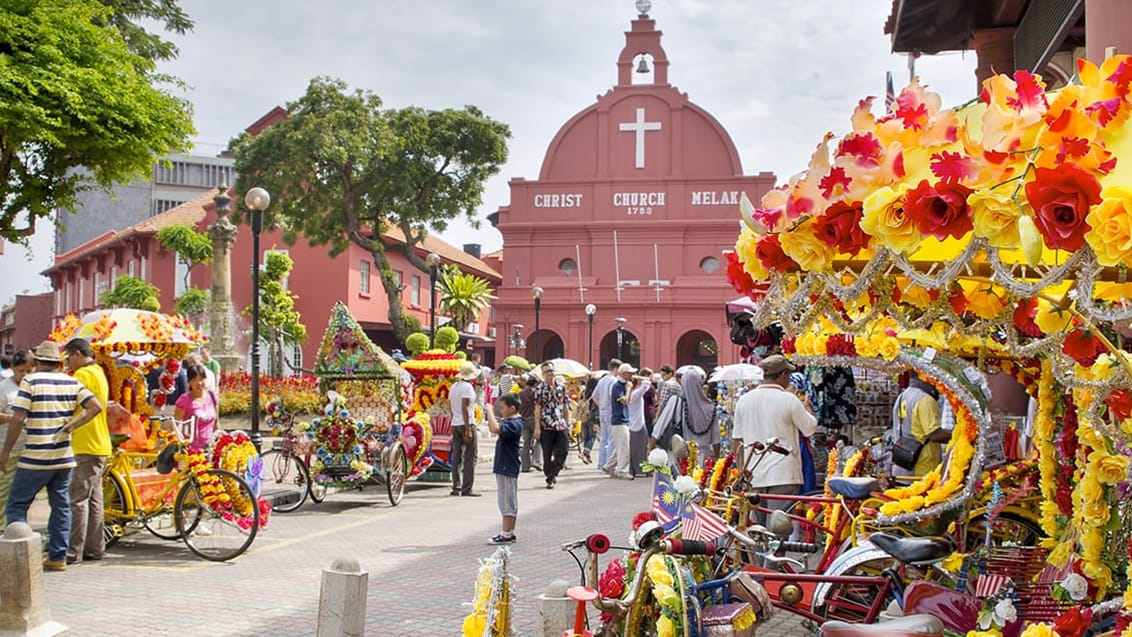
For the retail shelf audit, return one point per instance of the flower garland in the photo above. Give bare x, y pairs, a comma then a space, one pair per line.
660, 569
719, 472
1049, 511
934, 488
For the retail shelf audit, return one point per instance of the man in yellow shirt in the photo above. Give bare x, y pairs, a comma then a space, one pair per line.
91, 446
917, 413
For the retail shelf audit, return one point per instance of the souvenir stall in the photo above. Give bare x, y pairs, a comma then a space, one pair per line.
1003, 229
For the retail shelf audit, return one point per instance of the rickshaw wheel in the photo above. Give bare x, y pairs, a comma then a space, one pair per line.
397, 473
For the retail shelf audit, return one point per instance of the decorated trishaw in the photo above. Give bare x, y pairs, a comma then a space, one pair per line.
359, 436
209, 500
1003, 231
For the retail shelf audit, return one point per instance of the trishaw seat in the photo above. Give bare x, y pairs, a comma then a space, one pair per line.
853, 488
913, 550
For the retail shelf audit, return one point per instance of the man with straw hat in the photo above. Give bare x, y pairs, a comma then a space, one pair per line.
462, 401
48, 404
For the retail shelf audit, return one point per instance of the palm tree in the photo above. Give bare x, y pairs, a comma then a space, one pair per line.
462, 296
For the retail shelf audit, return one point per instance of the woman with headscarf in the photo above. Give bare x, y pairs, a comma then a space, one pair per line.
700, 423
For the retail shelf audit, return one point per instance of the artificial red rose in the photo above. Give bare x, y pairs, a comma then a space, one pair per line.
957, 300
1064, 496
738, 277
1119, 404
1082, 346
612, 581
1073, 622
840, 227
770, 254
940, 210
787, 345
1061, 198
641, 518
1024, 315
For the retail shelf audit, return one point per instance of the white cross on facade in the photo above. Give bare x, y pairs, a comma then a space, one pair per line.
640, 127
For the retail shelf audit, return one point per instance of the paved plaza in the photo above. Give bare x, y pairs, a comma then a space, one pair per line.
421, 557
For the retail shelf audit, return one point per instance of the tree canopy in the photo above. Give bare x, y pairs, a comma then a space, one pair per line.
130, 291
341, 170
78, 108
279, 322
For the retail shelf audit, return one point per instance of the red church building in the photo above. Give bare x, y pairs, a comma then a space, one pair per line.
635, 202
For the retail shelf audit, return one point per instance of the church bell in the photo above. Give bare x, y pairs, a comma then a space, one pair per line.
643, 65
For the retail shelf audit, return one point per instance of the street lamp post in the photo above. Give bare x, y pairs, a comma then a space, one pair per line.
591, 309
257, 200
536, 292
433, 261
620, 337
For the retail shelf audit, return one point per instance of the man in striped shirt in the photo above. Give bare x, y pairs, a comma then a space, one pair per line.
48, 404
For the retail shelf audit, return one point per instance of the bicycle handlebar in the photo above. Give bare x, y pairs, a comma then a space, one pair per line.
798, 547
688, 547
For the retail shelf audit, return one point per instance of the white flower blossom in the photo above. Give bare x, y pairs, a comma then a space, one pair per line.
1076, 585
1004, 612
658, 458
684, 485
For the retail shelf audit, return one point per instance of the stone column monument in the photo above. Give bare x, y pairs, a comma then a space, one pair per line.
223, 234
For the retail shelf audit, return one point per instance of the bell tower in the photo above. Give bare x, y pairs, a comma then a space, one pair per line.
643, 39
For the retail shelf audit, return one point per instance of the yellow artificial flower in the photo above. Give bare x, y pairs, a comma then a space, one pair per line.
661, 578
1061, 553
916, 296
993, 632
745, 249
867, 347
1051, 319
665, 627
1126, 426
1030, 240
889, 349
884, 219
1108, 468
1110, 223
986, 301
808, 250
1097, 573
1092, 544
995, 217
1039, 630
667, 596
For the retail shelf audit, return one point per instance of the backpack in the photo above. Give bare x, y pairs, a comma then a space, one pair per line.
675, 424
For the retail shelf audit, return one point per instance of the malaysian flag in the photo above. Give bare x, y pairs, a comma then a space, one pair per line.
889, 93
666, 502
700, 523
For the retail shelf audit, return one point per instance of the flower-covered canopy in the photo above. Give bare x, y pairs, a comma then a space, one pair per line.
118, 331
347, 352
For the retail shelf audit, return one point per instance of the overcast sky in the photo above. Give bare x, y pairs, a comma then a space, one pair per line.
777, 74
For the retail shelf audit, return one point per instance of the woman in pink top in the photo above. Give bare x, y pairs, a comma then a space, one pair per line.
201, 403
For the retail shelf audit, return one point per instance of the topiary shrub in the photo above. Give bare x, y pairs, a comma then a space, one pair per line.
416, 343
462, 355
447, 338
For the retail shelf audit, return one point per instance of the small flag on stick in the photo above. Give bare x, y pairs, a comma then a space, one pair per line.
889, 93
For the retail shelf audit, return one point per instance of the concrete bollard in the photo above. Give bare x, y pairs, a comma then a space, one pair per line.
23, 604
555, 609
342, 600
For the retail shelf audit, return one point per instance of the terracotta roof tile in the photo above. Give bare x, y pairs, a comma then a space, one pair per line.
448, 252
191, 213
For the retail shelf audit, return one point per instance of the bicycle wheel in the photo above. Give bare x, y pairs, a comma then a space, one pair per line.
113, 509
1007, 529
163, 526
286, 480
853, 602
215, 530
398, 474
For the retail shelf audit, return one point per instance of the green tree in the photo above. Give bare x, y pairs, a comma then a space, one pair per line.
462, 296
125, 13
192, 249
130, 291
280, 323
344, 171
78, 110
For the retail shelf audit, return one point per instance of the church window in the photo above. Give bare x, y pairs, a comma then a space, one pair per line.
363, 277
709, 265
567, 266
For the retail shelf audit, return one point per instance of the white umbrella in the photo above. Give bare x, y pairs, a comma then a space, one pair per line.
737, 372
684, 369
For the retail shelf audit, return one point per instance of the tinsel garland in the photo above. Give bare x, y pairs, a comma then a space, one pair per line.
491, 612
1047, 456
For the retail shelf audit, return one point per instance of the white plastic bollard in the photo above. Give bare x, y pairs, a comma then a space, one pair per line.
23, 605
555, 609
342, 600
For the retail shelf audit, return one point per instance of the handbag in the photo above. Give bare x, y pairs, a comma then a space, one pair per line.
906, 451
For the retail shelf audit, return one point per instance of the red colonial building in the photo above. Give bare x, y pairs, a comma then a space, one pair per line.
635, 202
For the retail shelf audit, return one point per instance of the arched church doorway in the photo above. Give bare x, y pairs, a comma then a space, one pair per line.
630, 350
544, 345
697, 347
